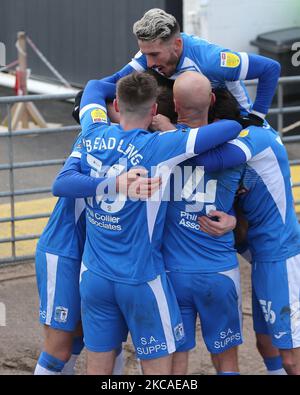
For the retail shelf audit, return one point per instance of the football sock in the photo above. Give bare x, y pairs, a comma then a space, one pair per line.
48, 365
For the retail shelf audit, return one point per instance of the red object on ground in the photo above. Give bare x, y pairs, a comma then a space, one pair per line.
18, 84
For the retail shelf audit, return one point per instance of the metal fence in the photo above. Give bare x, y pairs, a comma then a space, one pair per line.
11, 166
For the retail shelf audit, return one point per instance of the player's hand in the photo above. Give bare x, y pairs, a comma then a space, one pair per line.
137, 185
224, 224
250, 120
162, 123
76, 107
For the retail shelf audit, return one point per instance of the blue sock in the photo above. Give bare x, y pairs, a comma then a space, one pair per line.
51, 363
228, 374
273, 363
77, 345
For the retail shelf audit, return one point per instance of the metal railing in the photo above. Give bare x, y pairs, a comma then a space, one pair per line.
281, 110
11, 166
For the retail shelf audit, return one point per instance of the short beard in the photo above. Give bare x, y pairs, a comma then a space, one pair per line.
174, 59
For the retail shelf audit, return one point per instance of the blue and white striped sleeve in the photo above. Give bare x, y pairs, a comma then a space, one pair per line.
139, 62
93, 103
267, 71
185, 143
114, 78
233, 153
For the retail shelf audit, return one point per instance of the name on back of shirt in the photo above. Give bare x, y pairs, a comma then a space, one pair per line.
111, 143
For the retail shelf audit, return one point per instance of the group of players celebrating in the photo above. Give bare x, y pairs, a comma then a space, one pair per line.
173, 158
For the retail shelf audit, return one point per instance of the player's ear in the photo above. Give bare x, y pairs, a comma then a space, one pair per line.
178, 43
116, 105
154, 109
176, 106
213, 99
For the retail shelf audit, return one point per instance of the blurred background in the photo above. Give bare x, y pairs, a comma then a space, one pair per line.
68, 43
72, 41
92, 38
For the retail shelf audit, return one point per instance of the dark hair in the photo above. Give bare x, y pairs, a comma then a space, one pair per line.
161, 80
165, 103
225, 107
136, 91
164, 99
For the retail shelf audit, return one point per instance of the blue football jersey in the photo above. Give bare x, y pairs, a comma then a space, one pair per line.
274, 231
124, 236
223, 67
185, 247
123, 241
64, 233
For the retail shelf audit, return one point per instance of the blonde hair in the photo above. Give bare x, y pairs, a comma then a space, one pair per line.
156, 24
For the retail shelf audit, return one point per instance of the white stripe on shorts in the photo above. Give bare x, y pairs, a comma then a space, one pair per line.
293, 273
234, 274
164, 312
51, 284
83, 269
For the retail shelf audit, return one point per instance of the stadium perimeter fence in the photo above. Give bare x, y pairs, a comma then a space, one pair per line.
12, 166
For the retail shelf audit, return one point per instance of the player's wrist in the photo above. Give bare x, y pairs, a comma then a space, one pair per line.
76, 107
258, 114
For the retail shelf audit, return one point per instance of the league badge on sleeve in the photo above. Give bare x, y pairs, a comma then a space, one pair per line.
99, 115
229, 59
244, 133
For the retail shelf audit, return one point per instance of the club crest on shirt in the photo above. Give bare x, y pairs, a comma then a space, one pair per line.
179, 331
61, 314
229, 59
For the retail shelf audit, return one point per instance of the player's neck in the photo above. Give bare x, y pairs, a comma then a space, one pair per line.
134, 123
192, 121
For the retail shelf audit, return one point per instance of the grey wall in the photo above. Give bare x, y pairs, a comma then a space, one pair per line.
83, 39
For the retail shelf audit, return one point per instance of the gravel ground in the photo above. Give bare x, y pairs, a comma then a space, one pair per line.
21, 338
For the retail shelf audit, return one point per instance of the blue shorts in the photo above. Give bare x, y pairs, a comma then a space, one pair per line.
276, 301
216, 297
149, 311
58, 287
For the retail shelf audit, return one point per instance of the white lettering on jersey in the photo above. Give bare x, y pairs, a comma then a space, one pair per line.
227, 337
97, 171
100, 144
150, 346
